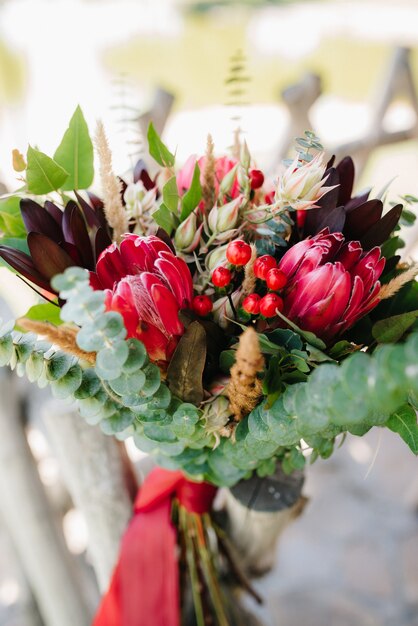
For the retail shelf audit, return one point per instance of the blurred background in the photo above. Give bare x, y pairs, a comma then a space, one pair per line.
346, 69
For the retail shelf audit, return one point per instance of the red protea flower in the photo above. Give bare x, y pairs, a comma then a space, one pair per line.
148, 285
332, 283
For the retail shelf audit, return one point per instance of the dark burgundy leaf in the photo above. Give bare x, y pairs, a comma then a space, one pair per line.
331, 162
316, 217
48, 258
391, 264
357, 200
380, 232
164, 236
38, 220
23, 264
89, 213
123, 186
141, 174
334, 220
102, 241
346, 172
362, 218
80, 236
71, 249
95, 201
54, 211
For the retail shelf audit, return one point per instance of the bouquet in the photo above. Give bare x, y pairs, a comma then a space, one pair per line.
229, 323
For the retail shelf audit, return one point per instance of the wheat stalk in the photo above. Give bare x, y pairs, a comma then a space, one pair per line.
64, 337
394, 285
111, 186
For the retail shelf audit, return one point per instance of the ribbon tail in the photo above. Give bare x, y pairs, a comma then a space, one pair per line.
145, 586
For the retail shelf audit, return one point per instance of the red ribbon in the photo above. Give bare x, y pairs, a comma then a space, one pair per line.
144, 590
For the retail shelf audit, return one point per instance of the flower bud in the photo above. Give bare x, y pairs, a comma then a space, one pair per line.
228, 215
228, 180
216, 257
222, 310
245, 156
187, 235
302, 186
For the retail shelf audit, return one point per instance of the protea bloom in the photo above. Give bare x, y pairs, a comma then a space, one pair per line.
332, 283
302, 186
148, 285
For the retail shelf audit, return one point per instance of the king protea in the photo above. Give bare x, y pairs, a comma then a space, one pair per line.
148, 285
332, 283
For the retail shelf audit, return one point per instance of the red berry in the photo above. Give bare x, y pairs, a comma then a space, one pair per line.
269, 304
276, 279
238, 252
251, 304
221, 277
256, 179
202, 305
263, 264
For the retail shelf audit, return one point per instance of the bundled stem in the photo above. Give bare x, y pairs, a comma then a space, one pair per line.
244, 388
111, 186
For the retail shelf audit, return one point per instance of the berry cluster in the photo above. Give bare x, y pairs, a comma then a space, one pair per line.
238, 254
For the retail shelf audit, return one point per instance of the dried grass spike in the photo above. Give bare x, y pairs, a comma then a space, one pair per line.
209, 174
244, 388
111, 186
249, 282
62, 336
394, 285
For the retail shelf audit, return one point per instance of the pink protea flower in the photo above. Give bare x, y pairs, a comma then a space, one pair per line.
223, 165
148, 285
332, 283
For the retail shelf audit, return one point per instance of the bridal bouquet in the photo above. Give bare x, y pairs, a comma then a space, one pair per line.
227, 322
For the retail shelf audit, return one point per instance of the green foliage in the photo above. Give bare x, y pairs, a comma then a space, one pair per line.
45, 312
11, 223
124, 393
75, 154
164, 218
158, 150
404, 422
43, 174
392, 329
171, 195
192, 196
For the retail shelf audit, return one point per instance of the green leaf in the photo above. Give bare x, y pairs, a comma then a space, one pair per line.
171, 195
391, 329
44, 313
75, 154
184, 374
309, 337
43, 174
404, 422
164, 218
157, 149
192, 196
11, 222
